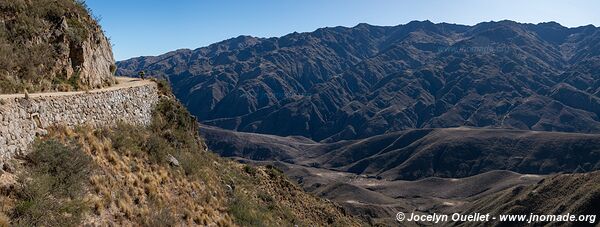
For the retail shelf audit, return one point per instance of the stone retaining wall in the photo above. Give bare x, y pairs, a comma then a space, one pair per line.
21, 119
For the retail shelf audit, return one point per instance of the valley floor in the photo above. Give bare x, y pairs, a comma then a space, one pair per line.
377, 196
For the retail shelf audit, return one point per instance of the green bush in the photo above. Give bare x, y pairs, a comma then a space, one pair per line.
157, 149
163, 86
69, 166
52, 186
192, 164
246, 212
250, 170
171, 115
127, 138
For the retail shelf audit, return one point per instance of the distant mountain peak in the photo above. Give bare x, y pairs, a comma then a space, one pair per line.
346, 83
551, 24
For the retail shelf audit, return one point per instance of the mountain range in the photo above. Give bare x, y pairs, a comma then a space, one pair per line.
424, 117
348, 83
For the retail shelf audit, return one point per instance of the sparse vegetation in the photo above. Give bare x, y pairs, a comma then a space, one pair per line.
250, 170
51, 189
133, 183
31, 49
113, 69
246, 213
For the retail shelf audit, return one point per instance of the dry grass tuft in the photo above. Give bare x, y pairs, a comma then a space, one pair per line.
4, 221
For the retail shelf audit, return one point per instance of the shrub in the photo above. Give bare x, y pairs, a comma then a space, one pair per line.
73, 81
163, 86
250, 170
191, 164
69, 166
169, 114
245, 211
157, 149
126, 138
113, 69
52, 188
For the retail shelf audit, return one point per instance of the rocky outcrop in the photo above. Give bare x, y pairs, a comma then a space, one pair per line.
22, 119
91, 59
52, 48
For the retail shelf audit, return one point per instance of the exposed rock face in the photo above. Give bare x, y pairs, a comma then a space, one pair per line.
92, 59
21, 119
52, 46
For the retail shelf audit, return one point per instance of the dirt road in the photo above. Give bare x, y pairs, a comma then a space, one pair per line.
123, 82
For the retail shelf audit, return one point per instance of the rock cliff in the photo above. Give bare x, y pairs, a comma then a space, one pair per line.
52, 46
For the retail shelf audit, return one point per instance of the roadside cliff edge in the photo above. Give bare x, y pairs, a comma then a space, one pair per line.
23, 118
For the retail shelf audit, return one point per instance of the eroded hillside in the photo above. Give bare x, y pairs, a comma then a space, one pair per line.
449, 170
347, 83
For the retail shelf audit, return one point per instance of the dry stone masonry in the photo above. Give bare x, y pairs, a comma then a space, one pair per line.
22, 119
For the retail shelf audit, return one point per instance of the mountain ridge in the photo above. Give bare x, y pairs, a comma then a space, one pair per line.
420, 153
422, 117
348, 83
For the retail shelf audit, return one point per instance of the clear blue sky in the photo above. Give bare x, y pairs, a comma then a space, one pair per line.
153, 27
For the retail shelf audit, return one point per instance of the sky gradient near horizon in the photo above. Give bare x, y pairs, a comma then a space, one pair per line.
153, 27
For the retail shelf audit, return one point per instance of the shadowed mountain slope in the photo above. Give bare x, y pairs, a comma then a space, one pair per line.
418, 117
348, 83
421, 153
560, 194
